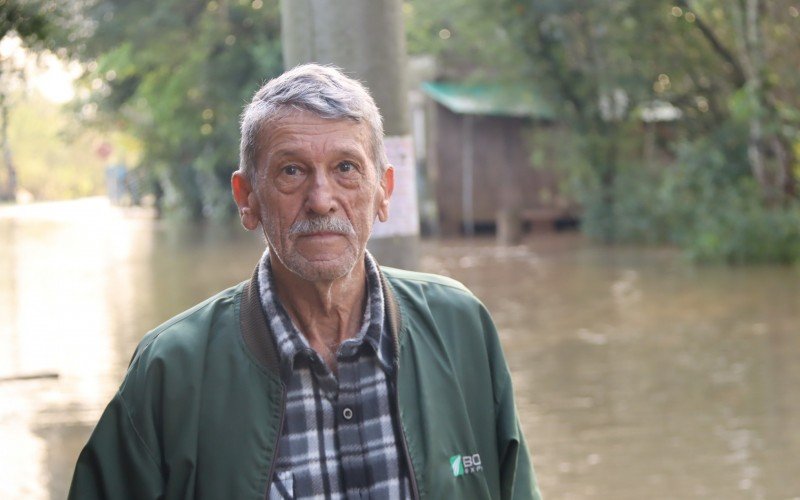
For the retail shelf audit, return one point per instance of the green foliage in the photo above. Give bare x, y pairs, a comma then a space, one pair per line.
28, 19
49, 164
176, 74
706, 203
745, 231
598, 60
717, 212
470, 43
638, 213
731, 74
36, 24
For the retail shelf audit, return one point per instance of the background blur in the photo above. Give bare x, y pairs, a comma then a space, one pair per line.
616, 179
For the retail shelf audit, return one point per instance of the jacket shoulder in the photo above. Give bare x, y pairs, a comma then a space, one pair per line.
432, 282
190, 329
171, 360
429, 299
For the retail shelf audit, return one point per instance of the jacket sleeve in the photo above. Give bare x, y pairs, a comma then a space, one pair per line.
116, 463
517, 478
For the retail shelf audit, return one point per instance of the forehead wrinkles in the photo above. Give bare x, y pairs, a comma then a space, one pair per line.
304, 135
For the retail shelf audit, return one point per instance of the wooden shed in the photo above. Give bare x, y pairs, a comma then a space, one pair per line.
479, 167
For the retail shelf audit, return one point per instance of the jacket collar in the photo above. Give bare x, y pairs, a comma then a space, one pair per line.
260, 342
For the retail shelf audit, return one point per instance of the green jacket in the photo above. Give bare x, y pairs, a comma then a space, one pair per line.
200, 410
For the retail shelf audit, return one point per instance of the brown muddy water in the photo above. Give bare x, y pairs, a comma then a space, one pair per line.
638, 375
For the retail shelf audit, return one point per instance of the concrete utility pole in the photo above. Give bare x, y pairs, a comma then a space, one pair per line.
366, 39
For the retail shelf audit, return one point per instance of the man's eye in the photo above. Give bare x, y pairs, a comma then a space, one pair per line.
346, 167
291, 170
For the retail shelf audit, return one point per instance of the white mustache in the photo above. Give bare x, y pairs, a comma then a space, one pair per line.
322, 224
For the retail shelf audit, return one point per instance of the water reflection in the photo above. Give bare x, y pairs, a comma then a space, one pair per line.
642, 377
81, 283
638, 375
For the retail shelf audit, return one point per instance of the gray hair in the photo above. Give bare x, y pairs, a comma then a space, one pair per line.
322, 90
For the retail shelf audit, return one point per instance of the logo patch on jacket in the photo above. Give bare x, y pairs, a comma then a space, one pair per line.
465, 464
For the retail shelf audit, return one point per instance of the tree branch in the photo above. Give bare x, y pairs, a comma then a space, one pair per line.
738, 73
546, 50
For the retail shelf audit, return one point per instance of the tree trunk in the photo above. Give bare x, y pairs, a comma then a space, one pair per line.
786, 181
771, 161
367, 40
753, 68
7, 192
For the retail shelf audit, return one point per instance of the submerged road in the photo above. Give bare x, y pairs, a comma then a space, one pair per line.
637, 374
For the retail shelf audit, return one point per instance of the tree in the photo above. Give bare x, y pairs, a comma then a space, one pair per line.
176, 73
606, 60
581, 52
751, 37
31, 22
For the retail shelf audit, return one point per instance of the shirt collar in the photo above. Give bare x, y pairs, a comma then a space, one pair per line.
291, 342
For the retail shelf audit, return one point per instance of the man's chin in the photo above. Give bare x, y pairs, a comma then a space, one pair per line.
321, 269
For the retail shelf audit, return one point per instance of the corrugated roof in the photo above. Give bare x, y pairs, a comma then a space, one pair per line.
518, 100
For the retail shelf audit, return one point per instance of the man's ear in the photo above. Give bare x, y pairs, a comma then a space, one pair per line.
246, 200
385, 193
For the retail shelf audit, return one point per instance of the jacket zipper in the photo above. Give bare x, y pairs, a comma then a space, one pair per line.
394, 319
277, 442
412, 476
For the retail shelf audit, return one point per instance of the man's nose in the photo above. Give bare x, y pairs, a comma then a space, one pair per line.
320, 198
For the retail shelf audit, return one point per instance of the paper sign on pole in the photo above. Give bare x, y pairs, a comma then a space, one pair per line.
403, 208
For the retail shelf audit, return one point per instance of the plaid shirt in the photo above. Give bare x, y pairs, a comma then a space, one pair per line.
339, 437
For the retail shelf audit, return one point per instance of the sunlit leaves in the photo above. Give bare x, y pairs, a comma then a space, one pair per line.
181, 73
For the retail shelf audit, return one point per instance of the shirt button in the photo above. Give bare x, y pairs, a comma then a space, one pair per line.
347, 413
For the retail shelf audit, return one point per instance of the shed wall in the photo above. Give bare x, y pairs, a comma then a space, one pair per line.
503, 176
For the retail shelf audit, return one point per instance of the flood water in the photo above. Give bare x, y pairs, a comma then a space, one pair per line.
638, 375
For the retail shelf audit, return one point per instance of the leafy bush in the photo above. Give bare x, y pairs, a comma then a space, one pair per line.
706, 203
739, 229
717, 213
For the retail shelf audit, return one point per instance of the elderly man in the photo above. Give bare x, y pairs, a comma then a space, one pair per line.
324, 375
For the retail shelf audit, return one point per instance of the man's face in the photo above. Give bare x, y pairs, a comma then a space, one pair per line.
318, 193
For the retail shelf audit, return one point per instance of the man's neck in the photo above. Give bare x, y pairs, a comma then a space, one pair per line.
326, 312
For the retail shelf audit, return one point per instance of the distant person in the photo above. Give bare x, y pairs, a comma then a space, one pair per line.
116, 179
324, 375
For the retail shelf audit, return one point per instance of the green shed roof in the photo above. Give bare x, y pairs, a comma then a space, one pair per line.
518, 100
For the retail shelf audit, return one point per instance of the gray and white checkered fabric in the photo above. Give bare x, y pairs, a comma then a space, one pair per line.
339, 438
